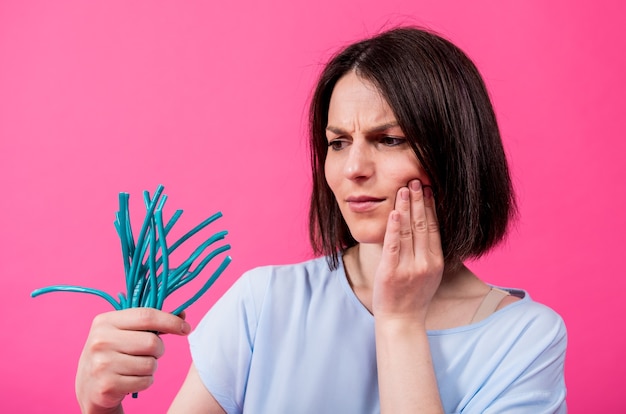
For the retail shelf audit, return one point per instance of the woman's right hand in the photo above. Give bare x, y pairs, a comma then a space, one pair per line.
120, 356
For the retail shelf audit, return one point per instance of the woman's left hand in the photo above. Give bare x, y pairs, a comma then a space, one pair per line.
412, 261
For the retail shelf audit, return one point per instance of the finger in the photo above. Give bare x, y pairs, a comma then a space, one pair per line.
127, 384
405, 234
391, 243
434, 235
135, 366
182, 315
149, 319
419, 218
141, 343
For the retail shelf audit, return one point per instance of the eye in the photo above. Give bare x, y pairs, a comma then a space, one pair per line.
337, 144
390, 141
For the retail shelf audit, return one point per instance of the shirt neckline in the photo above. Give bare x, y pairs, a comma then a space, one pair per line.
343, 280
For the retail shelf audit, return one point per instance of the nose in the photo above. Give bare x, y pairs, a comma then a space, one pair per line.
359, 163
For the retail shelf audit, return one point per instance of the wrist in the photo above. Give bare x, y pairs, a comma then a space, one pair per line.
398, 324
95, 409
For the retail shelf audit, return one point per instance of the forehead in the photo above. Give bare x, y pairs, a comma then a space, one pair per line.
357, 99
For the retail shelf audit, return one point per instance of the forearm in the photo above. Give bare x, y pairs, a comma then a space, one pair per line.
406, 377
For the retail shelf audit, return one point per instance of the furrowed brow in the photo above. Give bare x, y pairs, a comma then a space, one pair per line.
383, 127
335, 130
376, 129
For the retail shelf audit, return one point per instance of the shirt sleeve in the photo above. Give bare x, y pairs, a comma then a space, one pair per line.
221, 345
530, 376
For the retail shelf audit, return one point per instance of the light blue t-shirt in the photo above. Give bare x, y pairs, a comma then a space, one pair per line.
296, 339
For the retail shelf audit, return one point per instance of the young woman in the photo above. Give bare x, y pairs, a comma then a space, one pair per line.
409, 180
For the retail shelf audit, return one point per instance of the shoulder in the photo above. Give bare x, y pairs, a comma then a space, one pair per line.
313, 271
527, 324
523, 309
522, 324
523, 347
279, 286
309, 267
516, 358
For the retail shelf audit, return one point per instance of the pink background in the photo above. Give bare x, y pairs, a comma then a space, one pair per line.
208, 98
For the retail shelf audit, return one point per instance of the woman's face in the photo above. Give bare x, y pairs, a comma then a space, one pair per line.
368, 157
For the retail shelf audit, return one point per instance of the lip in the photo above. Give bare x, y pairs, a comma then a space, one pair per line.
362, 204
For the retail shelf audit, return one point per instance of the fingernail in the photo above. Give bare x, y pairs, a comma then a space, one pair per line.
185, 328
428, 192
415, 185
404, 194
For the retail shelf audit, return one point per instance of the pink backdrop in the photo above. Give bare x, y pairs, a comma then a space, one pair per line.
209, 99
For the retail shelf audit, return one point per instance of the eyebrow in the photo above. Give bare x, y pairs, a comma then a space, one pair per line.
378, 128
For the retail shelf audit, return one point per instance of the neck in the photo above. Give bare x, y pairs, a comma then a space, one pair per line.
361, 262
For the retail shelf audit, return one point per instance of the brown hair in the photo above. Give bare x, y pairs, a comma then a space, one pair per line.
441, 104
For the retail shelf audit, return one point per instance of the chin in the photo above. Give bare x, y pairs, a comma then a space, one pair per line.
369, 237
370, 230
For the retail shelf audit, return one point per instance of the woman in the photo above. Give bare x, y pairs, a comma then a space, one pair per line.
409, 180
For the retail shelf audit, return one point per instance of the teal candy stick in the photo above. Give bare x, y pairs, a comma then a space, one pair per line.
120, 225
187, 263
191, 233
77, 289
195, 230
152, 286
189, 276
141, 245
138, 293
173, 220
206, 261
130, 239
179, 272
206, 286
194, 273
123, 301
145, 270
165, 266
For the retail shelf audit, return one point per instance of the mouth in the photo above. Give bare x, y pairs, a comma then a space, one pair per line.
362, 204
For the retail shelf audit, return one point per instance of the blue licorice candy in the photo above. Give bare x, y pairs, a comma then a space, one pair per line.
150, 279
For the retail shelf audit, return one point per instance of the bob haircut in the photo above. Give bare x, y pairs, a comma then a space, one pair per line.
442, 105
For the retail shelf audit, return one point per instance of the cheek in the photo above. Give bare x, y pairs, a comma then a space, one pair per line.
403, 171
418, 171
330, 173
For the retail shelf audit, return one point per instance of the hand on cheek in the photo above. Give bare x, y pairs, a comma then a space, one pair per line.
412, 263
